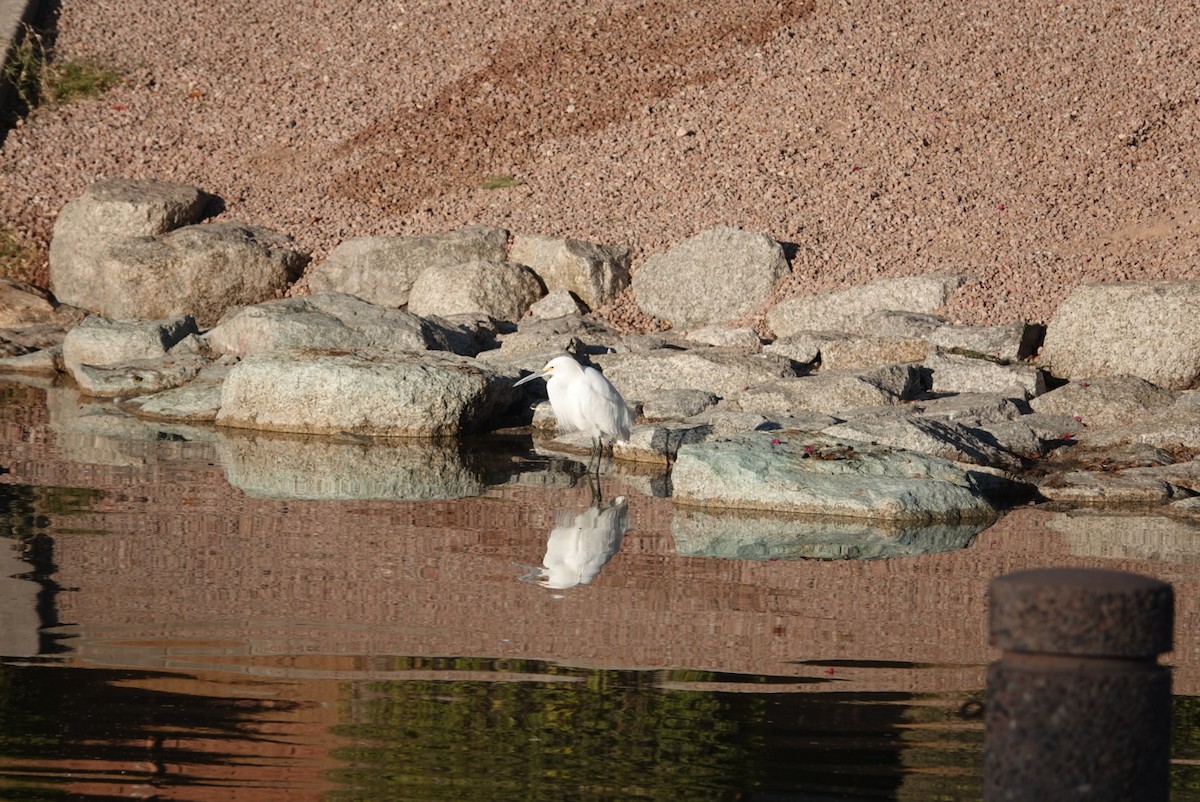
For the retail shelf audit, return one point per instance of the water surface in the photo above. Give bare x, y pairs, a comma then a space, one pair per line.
195, 614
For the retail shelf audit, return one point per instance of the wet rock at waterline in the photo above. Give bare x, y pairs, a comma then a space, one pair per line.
385, 394
819, 475
101, 342
198, 400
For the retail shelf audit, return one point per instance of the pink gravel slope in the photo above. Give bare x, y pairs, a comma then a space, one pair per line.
1033, 145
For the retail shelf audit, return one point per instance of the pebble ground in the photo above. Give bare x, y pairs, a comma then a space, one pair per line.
1032, 145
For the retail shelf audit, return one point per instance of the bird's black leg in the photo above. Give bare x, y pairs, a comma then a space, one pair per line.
594, 484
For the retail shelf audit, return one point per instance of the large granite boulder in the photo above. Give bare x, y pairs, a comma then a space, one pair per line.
717, 275
856, 309
820, 475
1146, 329
594, 273
382, 269
124, 249
503, 290
379, 394
324, 321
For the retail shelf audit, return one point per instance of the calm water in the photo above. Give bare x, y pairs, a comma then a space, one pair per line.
201, 615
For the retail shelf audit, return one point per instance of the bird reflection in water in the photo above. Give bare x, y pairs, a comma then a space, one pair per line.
580, 546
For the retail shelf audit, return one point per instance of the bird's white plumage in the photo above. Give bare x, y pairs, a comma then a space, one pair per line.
583, 400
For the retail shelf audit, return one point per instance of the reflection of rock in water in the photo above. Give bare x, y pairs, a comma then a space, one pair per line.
750, 536
1129, 536
580, 546
100, 433
302, 467
19, 620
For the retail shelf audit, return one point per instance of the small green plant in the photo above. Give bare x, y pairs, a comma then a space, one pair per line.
37, 80
75, 80
25, 68
500, 182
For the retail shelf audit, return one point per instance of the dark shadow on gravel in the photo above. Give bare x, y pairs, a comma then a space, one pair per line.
42, 18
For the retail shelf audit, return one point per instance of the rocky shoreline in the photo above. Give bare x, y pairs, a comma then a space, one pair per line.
859, 404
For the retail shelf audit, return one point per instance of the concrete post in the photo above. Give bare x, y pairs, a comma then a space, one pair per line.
1077, 706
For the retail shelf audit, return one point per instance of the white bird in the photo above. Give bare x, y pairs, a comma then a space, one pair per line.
584, 401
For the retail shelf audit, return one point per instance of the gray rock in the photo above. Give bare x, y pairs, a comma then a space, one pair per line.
1011, 341
1100, 488
1177, 426
377, 394
47, 360
717, 275
803, 347
972, 409
302, 467
526, 340
198, 400
125, 249
953, 373
1185, 508
131, 207
851, 310
200, 270
99, 342
1135, 328
676, 404
594, 273
723, 372
658, 444
23, 306
382, 270
832, 392
1029, 436
138, 377
556, 304
727, 422
503, 290
825, 476
906, 325
723, 337
745, 535
842, 351
465, 335
1105, 400
943, 439
325, 321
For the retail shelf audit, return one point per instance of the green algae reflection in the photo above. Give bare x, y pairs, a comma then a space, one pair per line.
547, 732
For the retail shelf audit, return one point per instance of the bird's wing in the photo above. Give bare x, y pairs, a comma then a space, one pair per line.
617, 414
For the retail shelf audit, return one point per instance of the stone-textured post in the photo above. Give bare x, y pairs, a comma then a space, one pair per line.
1077, 706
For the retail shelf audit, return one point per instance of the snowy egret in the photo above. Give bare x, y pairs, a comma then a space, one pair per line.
584, 401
